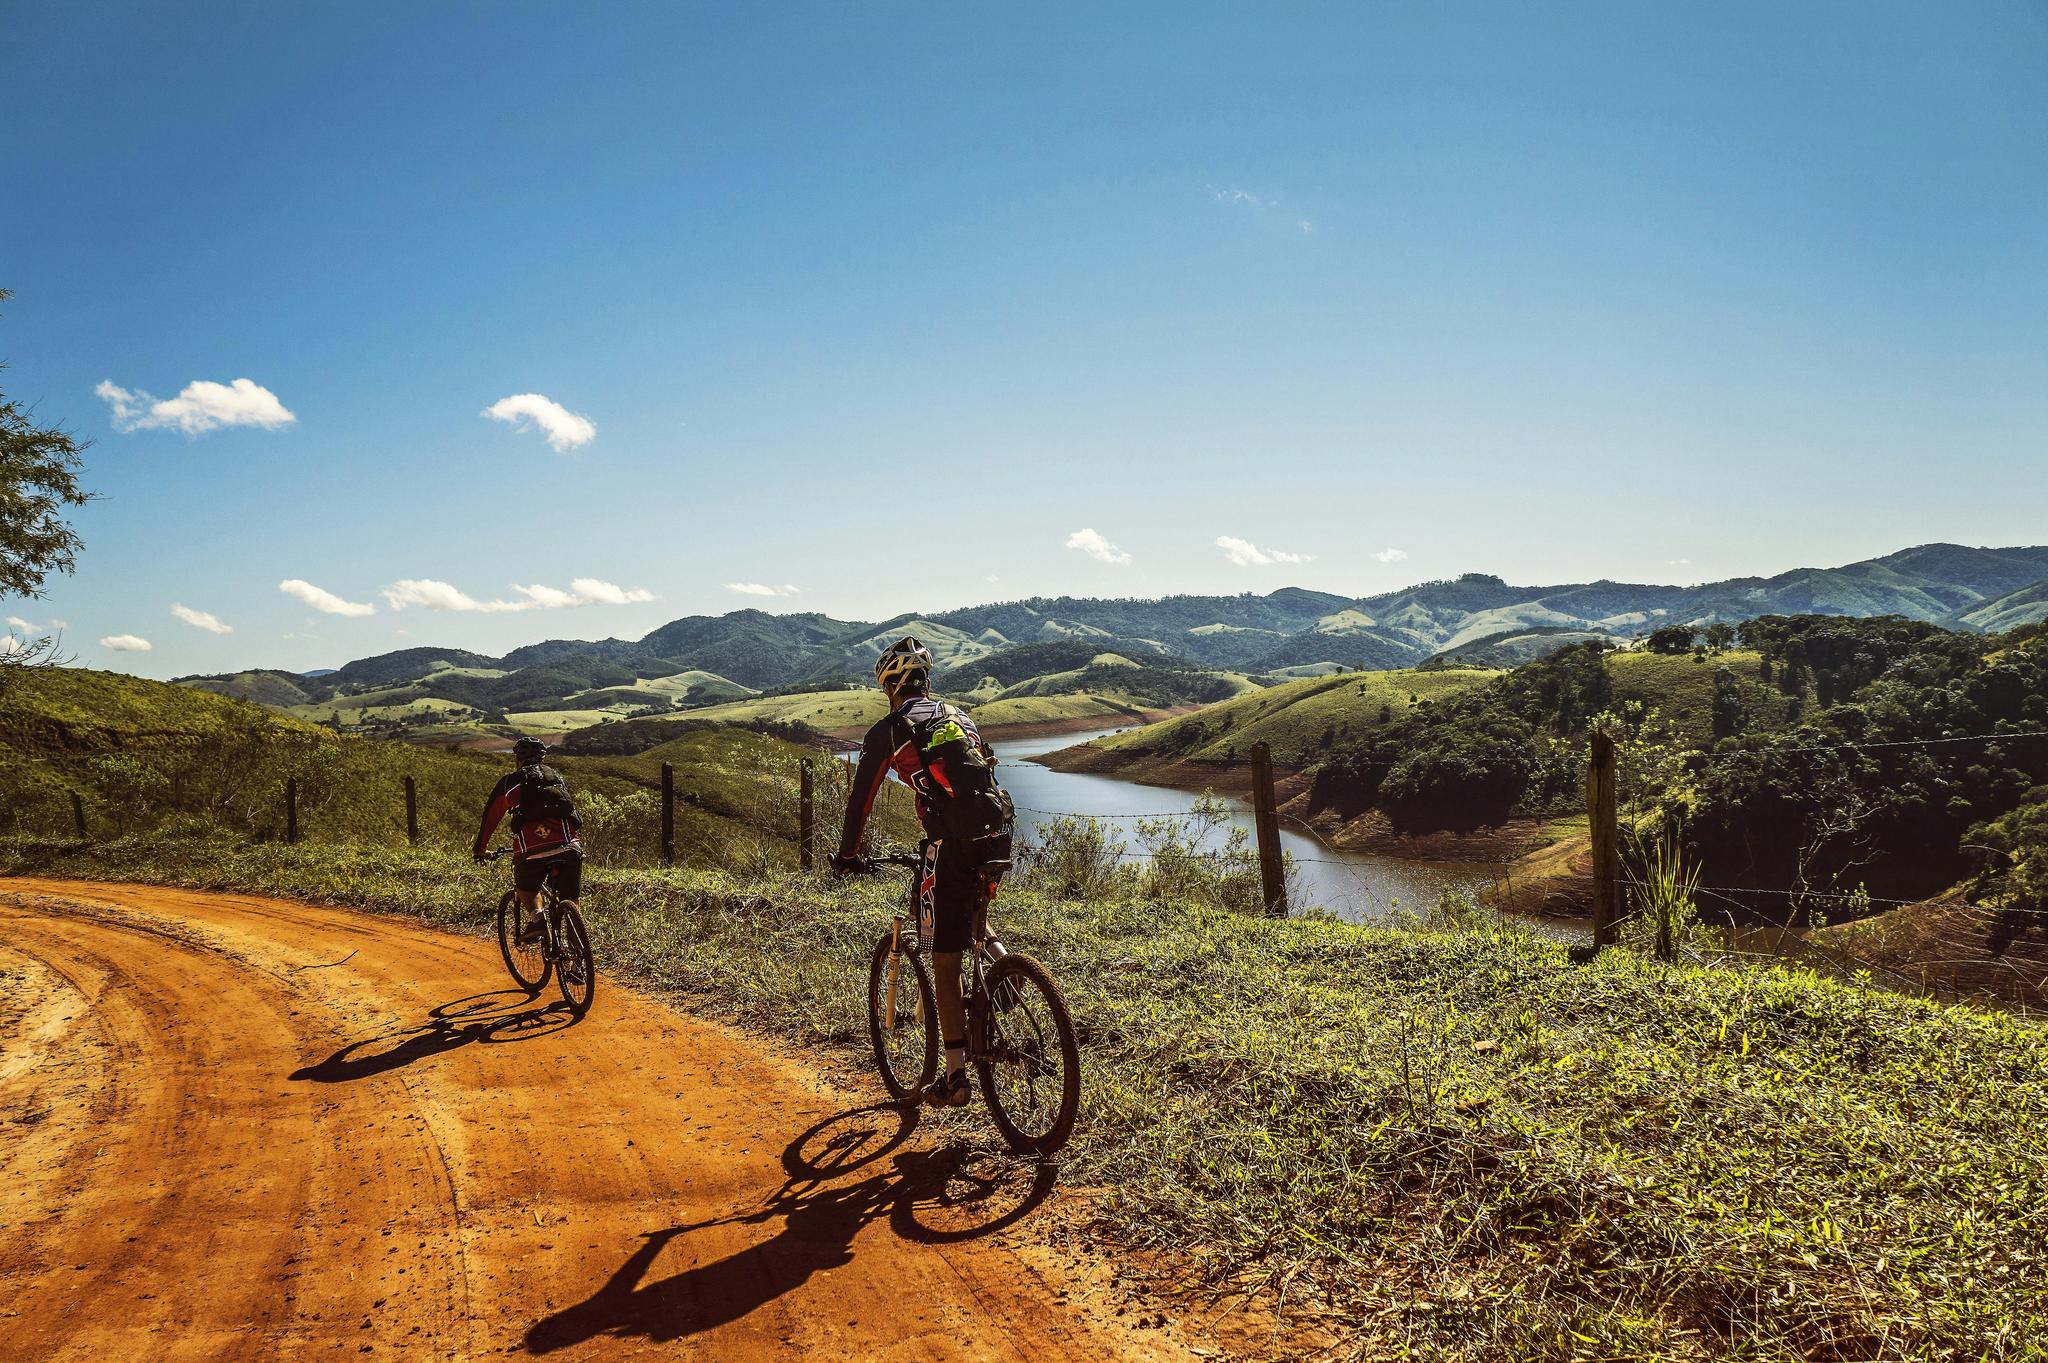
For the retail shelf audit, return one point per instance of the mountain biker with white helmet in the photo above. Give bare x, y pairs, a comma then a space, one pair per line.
545, 832
936, 750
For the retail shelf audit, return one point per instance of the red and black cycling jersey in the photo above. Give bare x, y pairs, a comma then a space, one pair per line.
543, 818
892, 745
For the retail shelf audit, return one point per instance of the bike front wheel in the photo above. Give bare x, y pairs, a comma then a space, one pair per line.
1030, 1060
575, 967
527, 961
902, 1020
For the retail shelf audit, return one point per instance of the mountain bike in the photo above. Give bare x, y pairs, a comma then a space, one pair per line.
562, 951
1020, 1037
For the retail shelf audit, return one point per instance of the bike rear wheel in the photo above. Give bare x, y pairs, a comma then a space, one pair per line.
528, 962
1030, 1060
575, 967
902, 1020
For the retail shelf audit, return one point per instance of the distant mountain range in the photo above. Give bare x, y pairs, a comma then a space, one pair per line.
1287, 631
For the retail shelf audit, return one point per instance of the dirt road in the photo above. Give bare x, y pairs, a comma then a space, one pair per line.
238, 1128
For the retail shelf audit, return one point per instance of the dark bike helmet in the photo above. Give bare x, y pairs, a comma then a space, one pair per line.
527, 751
904, 661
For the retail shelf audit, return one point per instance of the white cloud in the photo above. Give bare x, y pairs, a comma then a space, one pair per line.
591, 592
1391, 555
201, 406
763, 589
1245, 554
564, 429
1240, 198
16, 622
10, 644
326, 602
436, 595
125, 643
201, 619
1095, 546
1308, 229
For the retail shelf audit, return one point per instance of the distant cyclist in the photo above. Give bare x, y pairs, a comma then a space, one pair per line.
545, 831
936, 750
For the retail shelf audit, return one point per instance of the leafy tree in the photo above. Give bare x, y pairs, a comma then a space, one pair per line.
39, 468
2014, 848
1673, 638
1730, 716
1720, 636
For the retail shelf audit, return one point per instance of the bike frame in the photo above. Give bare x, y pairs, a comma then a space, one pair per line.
548, 902
984, 949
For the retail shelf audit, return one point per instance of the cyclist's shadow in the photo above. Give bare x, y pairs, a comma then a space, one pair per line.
933, 1197
490, 1017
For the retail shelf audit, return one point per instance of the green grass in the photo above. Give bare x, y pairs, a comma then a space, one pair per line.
1107, 707
851, 712
383, 708
830, 710
1437, 1143
144, 754
1300, 718
1680, 688
1295, 718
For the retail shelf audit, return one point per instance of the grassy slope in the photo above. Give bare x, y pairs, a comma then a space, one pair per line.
1292, 718
1681, 688
1459, 1144
120, 740
851, 712
827, 710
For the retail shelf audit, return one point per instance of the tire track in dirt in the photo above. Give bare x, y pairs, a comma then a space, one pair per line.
216, 1150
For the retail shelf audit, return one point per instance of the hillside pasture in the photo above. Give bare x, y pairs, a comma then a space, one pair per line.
1297, 719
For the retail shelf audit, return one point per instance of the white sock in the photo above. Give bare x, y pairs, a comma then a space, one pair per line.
956, 1060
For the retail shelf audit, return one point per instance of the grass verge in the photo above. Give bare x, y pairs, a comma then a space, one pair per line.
1447, 1142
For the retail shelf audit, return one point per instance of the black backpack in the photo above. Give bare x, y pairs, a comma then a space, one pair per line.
543, 794
977, 807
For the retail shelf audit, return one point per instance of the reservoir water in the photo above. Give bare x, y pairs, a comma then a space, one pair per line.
1356, 886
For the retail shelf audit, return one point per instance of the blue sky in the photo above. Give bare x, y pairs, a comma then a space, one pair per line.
887, 303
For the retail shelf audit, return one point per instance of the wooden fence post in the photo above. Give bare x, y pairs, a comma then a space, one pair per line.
291, 809
668, 814
178, 790
806, 815
78, 815
1266, 818
412, 811
1600, 807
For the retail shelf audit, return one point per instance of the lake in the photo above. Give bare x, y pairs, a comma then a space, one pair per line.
1360, 887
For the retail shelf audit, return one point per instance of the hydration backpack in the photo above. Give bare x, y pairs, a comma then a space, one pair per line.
961, 796
545, 817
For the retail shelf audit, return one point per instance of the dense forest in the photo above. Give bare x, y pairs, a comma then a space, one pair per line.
1883, 753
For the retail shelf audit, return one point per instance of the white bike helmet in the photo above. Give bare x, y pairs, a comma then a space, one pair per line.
901, 662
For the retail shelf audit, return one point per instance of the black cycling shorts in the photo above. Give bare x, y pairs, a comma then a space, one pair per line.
956, 894
566, 868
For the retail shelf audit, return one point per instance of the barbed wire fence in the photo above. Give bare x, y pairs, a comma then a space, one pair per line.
1950, 961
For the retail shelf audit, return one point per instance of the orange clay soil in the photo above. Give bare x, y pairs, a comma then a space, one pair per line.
241, 1128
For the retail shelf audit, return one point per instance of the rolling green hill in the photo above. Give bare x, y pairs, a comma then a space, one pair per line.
1298, 720
145, 755
1317, 721
1512, 647
2026, 606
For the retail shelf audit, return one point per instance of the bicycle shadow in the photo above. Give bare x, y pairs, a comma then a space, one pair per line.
488, 1018
928, 1196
